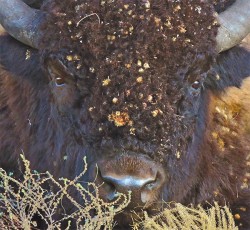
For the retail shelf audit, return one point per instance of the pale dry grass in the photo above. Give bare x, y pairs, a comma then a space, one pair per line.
21, 200
190, 218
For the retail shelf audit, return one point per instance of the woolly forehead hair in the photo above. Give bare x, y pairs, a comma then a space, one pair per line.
134, 55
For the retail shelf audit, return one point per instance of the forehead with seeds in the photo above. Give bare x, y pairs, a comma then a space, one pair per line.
134, 55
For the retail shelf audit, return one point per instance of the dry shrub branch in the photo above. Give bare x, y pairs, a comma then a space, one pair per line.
21, 200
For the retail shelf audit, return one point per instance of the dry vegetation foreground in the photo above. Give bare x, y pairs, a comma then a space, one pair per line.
21, 200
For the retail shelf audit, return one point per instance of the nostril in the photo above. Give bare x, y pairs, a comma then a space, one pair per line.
151, 185
154, 183
109, 188
111, 192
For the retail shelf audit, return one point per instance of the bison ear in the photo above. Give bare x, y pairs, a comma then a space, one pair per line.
34, 3
58, 72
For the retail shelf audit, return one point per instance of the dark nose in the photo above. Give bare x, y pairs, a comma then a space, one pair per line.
138, 174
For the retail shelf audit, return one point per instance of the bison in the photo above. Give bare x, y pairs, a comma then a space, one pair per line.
155, 93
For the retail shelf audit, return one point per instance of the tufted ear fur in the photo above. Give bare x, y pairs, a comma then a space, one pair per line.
231, 68
22, 61
34, 3
221, 5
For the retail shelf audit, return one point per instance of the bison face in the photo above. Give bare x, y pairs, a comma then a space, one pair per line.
127, 94
147, 146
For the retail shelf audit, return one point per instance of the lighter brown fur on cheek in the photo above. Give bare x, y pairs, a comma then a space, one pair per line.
231, 111
229, 124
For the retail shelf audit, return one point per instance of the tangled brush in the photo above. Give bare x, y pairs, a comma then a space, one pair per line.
185, 218
20, 201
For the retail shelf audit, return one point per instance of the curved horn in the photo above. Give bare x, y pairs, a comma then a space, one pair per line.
1, 29
234, 25
21, 21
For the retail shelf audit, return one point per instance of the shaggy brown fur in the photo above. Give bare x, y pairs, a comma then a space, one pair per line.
134, 58
228, 136
126, 79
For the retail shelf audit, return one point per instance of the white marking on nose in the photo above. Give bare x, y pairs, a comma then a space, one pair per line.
128, 181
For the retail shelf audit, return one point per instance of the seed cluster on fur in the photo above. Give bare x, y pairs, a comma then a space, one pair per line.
227, 116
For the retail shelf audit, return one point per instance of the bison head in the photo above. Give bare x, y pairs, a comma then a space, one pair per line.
129, 77
126, 88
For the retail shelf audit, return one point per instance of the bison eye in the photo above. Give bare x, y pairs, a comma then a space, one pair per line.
59, 81
58, 72
196, 85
